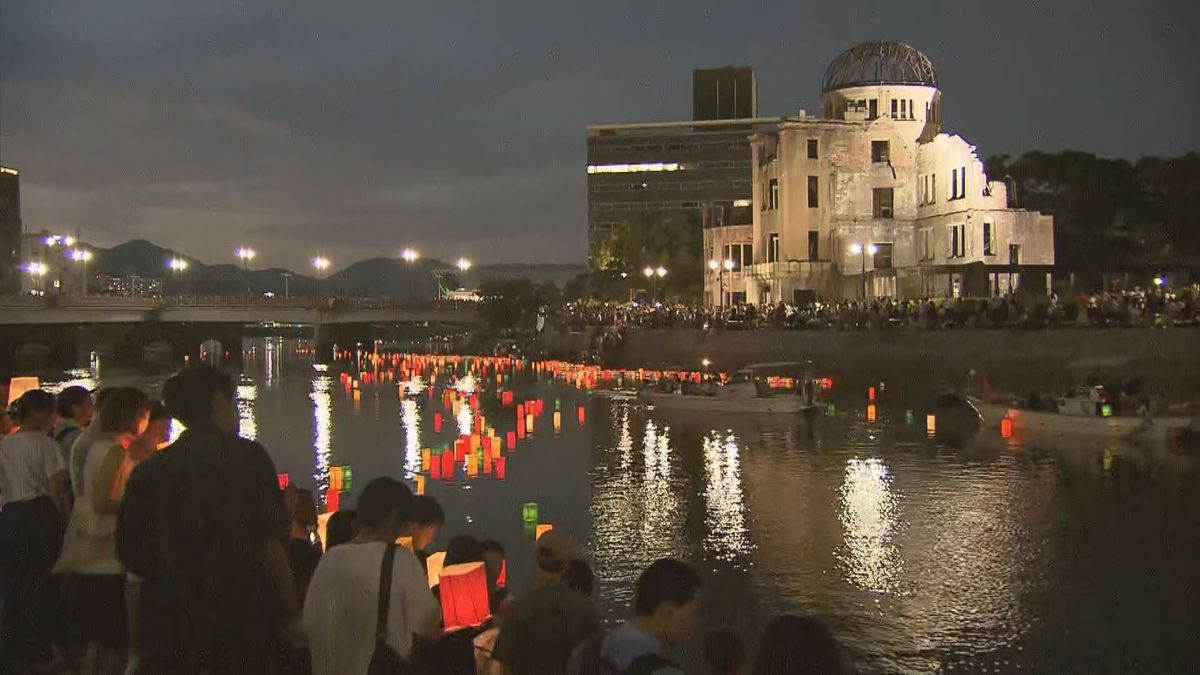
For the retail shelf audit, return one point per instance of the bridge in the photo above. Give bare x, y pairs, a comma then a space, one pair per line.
58, 330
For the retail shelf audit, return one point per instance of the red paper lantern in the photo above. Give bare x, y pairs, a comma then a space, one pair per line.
283, 480
510, 440
464, 596
447, 465
435, 468
502, 580
437, 422
501, 465
1006, 427
487, 462
333, 499
582, 413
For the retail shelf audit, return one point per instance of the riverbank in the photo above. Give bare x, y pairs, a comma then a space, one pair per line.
1168, 361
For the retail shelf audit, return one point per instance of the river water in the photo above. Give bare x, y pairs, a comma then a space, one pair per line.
1004, 554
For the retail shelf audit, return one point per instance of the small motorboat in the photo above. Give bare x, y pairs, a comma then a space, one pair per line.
1085, 411
747, 393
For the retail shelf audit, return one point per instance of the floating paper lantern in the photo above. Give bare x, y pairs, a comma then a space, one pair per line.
871, 412
581, 413
529, 421
335, 478
433, 567
529, 512
931, 424
871, 393
501, 467
464, 596
510, 440
419, 484
1006, 427
283, 480
447, 465
333, 499
19, 385
487, 462
542, 528
473, 464
557, 421
426, 455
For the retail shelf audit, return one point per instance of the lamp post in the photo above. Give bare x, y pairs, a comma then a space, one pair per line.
246, 254
410, 256
82, 256
38, 270
321, 263
654, 274
177, 266
869, 249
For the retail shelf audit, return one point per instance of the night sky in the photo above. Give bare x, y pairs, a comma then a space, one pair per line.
356, 128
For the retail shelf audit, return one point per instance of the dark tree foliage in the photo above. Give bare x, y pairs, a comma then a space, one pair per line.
653, 240
1110, 215
514, 303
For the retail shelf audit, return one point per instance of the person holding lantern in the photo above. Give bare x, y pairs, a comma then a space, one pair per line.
543, 626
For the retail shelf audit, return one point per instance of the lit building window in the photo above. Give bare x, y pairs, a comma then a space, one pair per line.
633, 168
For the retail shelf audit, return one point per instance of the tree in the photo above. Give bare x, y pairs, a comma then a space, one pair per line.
514, 303
1110, 215
655, 240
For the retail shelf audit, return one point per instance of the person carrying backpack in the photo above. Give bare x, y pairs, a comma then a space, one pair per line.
666, 599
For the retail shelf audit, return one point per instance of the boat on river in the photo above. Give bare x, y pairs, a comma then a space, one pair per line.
748, 393
1085, 411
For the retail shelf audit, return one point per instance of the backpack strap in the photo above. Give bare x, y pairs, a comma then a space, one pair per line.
385, 593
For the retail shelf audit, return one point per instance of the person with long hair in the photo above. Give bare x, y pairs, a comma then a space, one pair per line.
89, 549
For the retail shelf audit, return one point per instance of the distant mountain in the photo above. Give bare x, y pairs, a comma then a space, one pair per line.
390, 278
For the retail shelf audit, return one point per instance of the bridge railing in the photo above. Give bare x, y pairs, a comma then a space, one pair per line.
225, 301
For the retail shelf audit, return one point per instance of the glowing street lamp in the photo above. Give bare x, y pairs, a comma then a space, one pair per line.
409, 255
246, 254
869, 249
654, 274
463, 264
81, 256
177, 264
1159, 281
320, 263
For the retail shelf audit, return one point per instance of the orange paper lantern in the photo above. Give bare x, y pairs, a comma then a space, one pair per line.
542, 528
419, 484
464, 596
19, 385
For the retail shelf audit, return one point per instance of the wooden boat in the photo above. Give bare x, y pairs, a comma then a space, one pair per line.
745, 395
1084, 412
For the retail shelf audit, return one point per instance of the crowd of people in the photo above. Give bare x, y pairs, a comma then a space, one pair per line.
1116, 309
121, 553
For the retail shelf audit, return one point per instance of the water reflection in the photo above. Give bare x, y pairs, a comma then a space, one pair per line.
322, 429
76, 377
725, 509
868, 514
410, 420
464, 417
247, 394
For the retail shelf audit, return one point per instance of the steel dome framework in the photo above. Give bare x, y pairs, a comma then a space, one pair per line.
872, 63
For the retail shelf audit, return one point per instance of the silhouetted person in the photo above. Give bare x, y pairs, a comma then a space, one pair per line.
203, 532
798, 645
341, 527
724, 653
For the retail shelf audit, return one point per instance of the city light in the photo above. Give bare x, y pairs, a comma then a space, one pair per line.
246, 254
321, 263
858, 248
463, 264
661, 271
1159, 281
79, 255
633, 168
649, 272
713, 264
705, 362
37, 269
729, 265
409, 255
177, 264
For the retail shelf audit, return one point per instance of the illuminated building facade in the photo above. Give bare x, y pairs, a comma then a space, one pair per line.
873, 199
10, 230
697, 169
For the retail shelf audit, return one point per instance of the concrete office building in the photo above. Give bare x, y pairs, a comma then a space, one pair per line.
698, 169
10, 230
873, 199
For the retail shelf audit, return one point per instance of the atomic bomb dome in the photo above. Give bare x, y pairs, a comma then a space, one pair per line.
879, 63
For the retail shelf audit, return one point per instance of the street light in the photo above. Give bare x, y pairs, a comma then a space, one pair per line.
321, 263
246, 254
463, 264
81, 256
654, 274
869, 249
409, 255
177, 264
720, 268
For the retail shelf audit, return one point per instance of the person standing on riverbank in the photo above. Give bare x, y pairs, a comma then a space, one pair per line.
666, 600
33, 487
75, 411
543, 626
202, 532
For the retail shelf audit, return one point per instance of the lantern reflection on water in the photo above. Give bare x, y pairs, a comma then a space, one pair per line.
463, 594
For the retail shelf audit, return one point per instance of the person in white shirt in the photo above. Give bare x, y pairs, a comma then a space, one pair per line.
341, 609
33, 487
